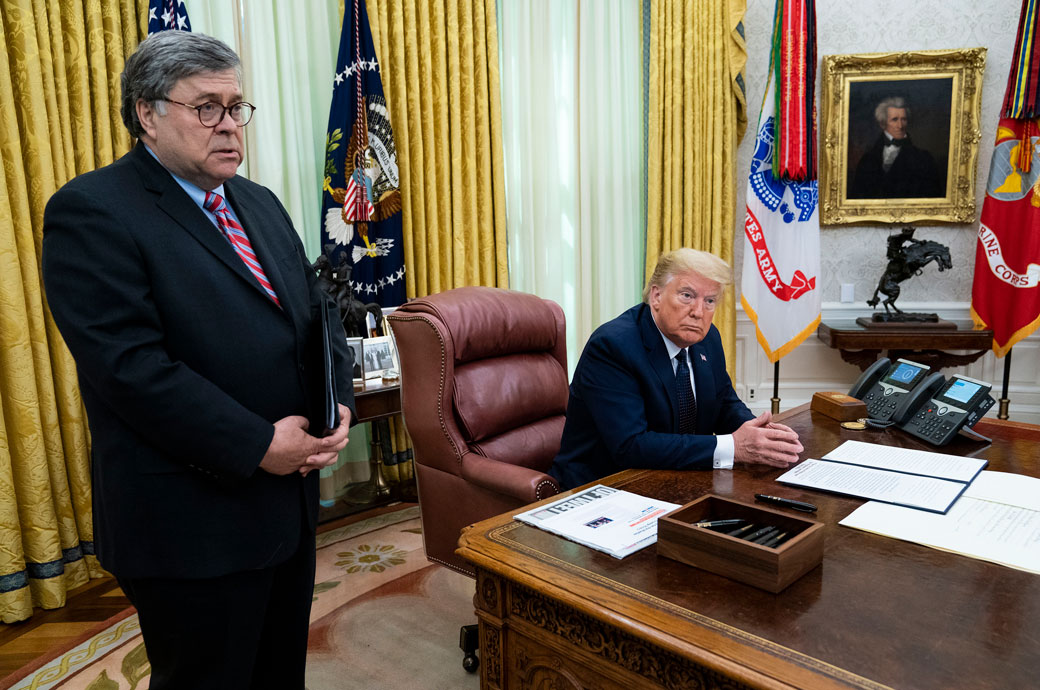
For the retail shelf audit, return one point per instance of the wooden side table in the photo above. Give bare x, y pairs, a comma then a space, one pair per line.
375, 401
861, 346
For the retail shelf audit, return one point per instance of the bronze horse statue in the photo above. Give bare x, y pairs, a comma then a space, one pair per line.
905, 262
335, 280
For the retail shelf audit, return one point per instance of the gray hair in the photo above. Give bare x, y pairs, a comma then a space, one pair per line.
686, 260
881, 111
162, 60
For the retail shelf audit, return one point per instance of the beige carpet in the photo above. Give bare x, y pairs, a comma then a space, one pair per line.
383, 618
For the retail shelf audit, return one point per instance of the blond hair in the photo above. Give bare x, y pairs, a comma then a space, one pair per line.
686, 260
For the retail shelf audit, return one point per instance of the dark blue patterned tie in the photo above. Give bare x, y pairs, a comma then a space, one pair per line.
687, 401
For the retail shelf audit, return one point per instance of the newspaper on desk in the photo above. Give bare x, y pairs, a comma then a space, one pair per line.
603, 518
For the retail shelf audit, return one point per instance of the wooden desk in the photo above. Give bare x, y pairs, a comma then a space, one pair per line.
861, 346
877, 612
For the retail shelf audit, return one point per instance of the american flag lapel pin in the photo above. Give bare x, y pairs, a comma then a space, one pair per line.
703, 358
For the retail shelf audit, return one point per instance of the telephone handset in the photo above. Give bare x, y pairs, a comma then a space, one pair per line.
954, 404
886, 388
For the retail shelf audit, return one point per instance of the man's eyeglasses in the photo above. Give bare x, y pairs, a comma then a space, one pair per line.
211, 114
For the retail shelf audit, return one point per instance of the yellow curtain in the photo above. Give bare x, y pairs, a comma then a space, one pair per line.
59, 83
439, 64
697, 115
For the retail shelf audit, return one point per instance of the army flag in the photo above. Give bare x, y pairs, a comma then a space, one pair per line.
781, 224
361, 199
167, 15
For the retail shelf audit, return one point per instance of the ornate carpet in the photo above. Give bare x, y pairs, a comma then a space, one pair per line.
382, 617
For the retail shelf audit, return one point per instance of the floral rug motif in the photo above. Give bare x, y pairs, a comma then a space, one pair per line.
382, 617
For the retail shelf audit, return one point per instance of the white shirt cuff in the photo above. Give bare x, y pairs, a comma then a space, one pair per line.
723, 458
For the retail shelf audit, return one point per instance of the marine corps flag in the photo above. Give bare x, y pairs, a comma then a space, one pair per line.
361, 201
782, 226
1005, 295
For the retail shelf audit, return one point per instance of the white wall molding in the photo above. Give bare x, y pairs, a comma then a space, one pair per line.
814, 366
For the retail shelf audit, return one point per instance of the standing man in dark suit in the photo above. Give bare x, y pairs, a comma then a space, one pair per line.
185, 297
893, 168
651, 388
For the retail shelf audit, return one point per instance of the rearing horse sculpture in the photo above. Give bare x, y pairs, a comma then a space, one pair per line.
905, 262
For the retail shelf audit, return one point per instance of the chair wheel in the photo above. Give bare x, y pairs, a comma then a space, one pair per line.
471, 663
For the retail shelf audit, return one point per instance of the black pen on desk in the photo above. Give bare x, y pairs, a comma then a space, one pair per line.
758, 533
719, 523
786, 503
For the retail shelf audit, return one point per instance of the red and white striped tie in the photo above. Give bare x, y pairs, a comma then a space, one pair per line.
238, 239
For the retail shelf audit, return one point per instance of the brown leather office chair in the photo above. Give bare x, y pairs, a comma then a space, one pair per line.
484, 392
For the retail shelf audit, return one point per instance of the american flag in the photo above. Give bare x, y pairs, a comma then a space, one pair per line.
166, 15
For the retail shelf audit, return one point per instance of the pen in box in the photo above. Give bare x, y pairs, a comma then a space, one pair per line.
719, 523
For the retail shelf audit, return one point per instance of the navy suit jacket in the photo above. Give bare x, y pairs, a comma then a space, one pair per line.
184, 363
623, 411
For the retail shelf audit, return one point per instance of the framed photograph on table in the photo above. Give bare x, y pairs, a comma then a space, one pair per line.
380, 356
355, 345
899, 136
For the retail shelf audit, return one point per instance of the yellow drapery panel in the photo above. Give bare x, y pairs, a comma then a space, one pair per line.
697, 115
59, 84
439, 64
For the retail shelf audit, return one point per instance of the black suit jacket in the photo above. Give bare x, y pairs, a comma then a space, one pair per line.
623, 411
913, 174
184, 363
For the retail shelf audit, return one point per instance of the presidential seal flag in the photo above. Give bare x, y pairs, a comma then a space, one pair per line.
781, 225
361, 199
167, 15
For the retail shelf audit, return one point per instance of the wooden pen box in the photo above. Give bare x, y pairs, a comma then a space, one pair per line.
771, 569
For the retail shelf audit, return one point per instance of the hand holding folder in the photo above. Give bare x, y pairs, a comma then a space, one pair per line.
324, 399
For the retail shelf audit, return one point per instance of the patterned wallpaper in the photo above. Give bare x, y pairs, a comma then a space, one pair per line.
857, 254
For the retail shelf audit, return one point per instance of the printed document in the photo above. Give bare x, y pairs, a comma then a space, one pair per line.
997, 519
603, 518
913, 478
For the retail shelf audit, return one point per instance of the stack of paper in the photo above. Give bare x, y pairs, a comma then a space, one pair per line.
603, 518
914, 478
997, 519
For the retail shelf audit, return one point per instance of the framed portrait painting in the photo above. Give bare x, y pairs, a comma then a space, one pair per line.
900, 135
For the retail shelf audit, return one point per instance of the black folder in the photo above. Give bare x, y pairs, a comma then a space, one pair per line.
324, 399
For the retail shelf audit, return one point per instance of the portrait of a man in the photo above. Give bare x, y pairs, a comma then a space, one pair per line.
898, 147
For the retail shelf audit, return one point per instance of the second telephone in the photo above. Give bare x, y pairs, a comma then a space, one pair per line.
893, 391
923, 404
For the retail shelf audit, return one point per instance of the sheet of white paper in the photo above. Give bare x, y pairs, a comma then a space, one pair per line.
1005, 487
880, 485
987, 530
907, 460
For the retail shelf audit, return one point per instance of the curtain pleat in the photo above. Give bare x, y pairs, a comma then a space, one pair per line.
439, 65
697, 116
59, 71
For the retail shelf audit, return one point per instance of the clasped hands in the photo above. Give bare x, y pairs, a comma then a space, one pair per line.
294, 450
761, 441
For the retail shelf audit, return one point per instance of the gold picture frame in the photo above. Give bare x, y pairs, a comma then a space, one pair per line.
941, 92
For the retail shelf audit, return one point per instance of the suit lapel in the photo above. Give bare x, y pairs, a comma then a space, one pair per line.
176, 203
248, 209
658, 356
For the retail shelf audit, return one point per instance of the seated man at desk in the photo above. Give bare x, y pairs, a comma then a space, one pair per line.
651, 388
